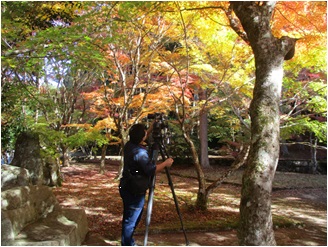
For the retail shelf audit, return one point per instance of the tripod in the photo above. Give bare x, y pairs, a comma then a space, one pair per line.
156, 148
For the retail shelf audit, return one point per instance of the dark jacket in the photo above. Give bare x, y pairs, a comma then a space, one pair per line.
136, 159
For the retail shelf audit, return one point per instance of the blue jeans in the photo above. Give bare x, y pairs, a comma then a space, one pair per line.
132, 211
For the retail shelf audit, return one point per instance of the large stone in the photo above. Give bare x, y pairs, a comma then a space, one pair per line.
27, 155
26, 204
51, 173
31, 215
13, 176
7, 233
62, 227
42, 170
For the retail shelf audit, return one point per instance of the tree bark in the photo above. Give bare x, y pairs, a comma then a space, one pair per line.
124, 136
201, 202
102, 159
239, 161
203, 132
314, 162
65, 155
255, 206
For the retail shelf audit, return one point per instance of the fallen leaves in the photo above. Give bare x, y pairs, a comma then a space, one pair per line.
98, 195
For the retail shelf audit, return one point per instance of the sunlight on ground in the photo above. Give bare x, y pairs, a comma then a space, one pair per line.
99, 196
227, 209
95, 211
79, 185
309, 243
290, 198
308, 214
215, 236
103, 186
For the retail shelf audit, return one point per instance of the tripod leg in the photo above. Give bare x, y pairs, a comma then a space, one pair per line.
149, 207
150, 197
174, 196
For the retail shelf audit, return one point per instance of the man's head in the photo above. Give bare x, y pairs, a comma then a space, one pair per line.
137, 133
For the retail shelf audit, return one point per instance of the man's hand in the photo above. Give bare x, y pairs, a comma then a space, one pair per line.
168, 162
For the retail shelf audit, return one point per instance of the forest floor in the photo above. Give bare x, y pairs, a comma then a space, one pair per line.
299, 207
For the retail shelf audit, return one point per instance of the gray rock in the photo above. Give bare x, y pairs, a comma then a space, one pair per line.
42, 170
27, 155
26, 204
13, 176
32, 216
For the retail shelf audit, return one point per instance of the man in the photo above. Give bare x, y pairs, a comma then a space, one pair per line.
136, 159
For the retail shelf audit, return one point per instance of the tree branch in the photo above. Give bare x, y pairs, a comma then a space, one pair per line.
236, 25
239, 161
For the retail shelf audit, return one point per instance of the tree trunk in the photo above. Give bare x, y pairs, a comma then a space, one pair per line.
102, 159
65, 156
203, 132
124, 135
314, 162
255, 206
201, 202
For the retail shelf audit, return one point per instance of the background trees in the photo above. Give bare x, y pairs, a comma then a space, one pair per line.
30, 44
81, 73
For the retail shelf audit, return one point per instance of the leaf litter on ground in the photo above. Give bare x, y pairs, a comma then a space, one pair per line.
84, 187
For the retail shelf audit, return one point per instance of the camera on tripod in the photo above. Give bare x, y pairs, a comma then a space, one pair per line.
161, 136
160, 126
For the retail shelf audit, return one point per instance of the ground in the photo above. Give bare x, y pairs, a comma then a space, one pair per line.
299, 207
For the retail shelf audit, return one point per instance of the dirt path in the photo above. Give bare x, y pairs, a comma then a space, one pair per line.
85, 188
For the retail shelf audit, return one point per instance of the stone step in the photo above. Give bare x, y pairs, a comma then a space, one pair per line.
26, 204
66, 227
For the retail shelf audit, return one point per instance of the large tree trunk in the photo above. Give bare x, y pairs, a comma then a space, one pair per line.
203, 131
255, 206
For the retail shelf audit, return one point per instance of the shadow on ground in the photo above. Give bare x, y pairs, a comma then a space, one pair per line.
98, 195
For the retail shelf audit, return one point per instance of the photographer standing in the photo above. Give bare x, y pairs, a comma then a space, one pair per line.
137, 165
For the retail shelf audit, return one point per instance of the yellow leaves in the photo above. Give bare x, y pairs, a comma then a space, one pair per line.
137, 100
118, 101
203, 68
107, 123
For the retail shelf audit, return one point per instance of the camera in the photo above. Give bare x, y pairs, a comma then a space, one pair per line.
160, 126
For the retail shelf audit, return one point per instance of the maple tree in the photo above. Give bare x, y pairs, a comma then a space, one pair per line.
129, 90
191, 73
